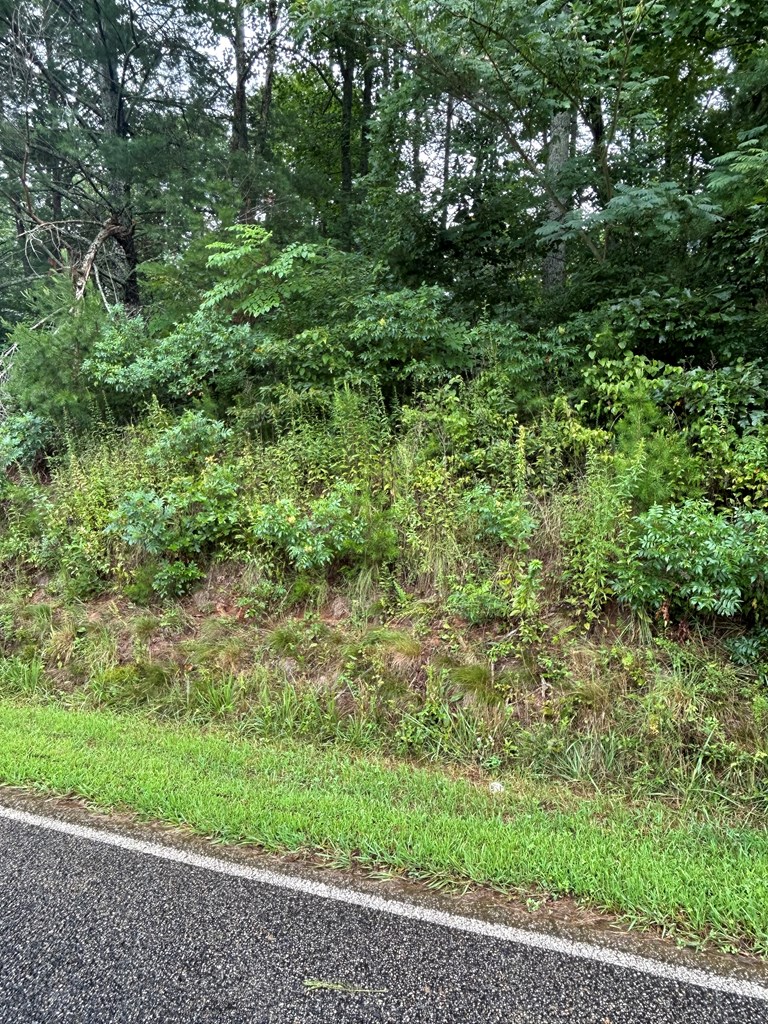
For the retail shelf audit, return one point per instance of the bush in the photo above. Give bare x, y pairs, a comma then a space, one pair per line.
479, 601
194, 516
184, 446
592, 520
330, 530
494, 518
146, 520
671, 471
736, 463
205, 355
690, 559
46, 376
24, 439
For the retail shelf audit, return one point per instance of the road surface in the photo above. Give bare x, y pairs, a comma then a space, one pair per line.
95, 927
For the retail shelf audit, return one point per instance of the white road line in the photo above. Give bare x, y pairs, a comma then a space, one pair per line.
532, 939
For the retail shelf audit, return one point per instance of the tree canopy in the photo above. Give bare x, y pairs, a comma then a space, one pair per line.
533, 159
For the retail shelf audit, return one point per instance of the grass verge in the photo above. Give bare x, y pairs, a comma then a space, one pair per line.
657, 866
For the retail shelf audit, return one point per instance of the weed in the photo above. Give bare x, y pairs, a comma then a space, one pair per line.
125, 686
26, 678
214, 697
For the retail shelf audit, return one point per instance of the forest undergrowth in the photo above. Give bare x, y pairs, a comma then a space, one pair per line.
443, 581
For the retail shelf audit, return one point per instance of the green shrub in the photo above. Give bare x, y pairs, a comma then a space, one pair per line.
479, 601
24, 440
174, 579
670, 469
690, 559
195, 515
331, 529
206, 354
46, 377
677, 322
146, 520
736, 394
591, 525
493, 518
736, 463
555, 448
185, 444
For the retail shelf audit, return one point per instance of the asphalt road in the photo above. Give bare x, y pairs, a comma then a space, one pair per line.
91, 932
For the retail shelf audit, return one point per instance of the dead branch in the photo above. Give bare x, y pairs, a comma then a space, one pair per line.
81, 274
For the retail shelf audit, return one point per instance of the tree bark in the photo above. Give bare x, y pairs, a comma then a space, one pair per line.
347, 65
116, 123
273, 15
240, 141
447, 141
54, 164
593, 113
367, 112
554, 268
418, 171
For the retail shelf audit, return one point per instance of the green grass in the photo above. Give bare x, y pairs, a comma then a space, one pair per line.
651, 864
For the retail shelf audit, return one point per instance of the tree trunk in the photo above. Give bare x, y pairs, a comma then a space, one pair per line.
418, 171
367, 113
347, 65
126, 239
240, 141
593, 113
116, 124
273, 13
554, 268
446, 162
53, 163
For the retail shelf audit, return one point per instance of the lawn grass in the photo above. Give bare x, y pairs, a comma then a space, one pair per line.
655, 865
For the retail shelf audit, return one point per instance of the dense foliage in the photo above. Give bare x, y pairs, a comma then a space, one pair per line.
441, 322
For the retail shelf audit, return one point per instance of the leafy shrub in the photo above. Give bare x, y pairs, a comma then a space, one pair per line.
470, 424
495, 518
671, 471
735, 395
592, 520
476, 422
330, 530
193, 516
677, 322
737, 464
424, 513
205, 354
26, 509
410, 331
173, 579
87, 484
479, 601
554, 450
46, 377
24, 439
185, 444
310, 315
690, 560
145, 520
